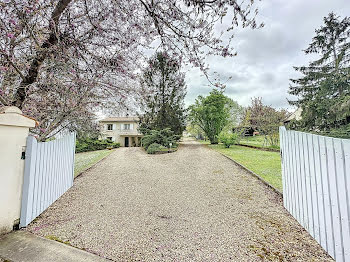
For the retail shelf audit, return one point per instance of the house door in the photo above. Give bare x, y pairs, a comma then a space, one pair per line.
126, 142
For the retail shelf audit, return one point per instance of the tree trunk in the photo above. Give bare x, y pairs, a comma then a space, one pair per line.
32, 74
213, 140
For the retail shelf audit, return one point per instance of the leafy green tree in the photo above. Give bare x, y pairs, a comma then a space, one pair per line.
164, 90
324, 89
211, 114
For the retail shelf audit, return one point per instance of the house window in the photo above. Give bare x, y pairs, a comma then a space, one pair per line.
109, 126
109, 138
126, 126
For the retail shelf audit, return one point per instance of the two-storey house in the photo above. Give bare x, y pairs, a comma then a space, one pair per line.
122, 130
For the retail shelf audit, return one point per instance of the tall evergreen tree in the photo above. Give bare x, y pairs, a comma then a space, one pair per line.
164, 90
324, 90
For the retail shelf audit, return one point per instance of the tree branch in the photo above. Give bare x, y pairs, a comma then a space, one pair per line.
42, 54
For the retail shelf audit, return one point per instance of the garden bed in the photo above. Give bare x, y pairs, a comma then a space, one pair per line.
165, 151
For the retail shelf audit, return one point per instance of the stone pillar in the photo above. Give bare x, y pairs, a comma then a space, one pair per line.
14, 129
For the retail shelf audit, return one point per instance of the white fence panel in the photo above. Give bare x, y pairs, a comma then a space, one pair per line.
316, 187
48, 174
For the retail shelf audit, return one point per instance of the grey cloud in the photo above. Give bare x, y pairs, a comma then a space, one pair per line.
266, 56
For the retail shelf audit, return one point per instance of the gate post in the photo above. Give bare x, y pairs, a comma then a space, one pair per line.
28, 181
14, 129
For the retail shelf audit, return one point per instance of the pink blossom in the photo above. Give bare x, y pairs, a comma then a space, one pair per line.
10, 35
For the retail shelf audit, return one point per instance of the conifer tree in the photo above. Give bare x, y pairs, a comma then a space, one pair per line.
164, 90
324, 89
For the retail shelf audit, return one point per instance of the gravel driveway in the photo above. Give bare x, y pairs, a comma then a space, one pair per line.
191, 205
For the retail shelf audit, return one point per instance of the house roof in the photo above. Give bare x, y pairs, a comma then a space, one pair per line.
120, 119
296, 115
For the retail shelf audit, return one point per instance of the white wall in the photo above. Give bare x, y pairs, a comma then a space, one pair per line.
14, 129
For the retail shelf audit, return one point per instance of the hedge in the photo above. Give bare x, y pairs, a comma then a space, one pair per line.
88, 144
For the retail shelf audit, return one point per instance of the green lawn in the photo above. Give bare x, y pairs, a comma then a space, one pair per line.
265, 164
258, 141
87, 159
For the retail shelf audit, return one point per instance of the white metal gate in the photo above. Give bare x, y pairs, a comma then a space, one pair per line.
316, 187
48, 173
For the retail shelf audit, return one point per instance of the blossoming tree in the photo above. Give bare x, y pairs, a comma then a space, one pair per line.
63, 59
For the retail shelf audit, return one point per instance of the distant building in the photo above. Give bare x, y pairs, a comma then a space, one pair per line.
122, 130
295, 116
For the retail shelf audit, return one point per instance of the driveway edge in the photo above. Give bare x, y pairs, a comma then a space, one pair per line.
82, 172
254, 174
250, 171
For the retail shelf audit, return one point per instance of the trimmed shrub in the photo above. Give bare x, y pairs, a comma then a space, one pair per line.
163, 137
228, 139
89, 144
154, 148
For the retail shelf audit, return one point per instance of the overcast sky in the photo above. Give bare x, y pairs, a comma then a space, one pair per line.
266, 57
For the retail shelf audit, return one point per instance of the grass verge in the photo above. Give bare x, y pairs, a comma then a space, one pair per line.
86, 160
265, 164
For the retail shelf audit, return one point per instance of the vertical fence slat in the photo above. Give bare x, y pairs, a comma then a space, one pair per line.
61, 168
41, 178
302, 176
346, 206
342, 195
326, 196
56, 169
46, 172
300, 196
292, 183
28, 182
307, 176
36, 184
334, 189
49, 174
320, 195
74, 137
286, 159
283, 165
49, 168
295, 176
332, 194
52, 172
64, 164
313, 187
